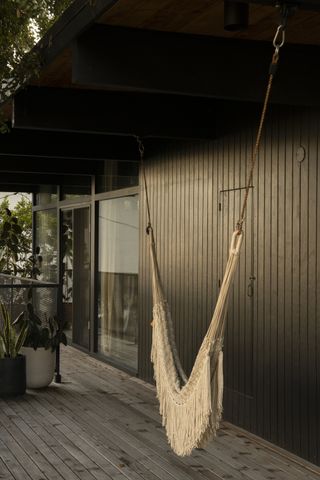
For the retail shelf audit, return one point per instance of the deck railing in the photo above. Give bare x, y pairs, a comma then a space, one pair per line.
17, 292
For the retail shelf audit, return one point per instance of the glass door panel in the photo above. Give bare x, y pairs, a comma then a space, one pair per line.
76, 274
118, 279
81, 276
67, 269
46, 240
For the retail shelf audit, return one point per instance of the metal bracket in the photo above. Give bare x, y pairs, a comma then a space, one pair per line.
287, 10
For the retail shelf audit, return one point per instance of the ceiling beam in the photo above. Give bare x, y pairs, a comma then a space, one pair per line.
17, 187
34, 179
171, 63
118, 113
54, 148
47, 165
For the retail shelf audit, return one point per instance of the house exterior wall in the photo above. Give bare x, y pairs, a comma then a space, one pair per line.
272, 356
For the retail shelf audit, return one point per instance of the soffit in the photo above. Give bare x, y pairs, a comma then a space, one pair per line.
205, 17
202, 17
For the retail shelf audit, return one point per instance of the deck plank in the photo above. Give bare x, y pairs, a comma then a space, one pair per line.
144, 423
11, 462
20, 456
95, 435
27, 413
102, 424
4, 472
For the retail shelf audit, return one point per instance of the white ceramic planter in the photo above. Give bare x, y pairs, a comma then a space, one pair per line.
40, 365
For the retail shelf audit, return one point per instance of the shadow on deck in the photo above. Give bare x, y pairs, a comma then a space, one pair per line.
103, 424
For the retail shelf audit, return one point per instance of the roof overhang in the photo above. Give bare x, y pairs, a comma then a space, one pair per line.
112, 68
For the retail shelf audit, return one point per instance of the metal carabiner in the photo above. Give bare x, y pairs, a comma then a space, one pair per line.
276, 43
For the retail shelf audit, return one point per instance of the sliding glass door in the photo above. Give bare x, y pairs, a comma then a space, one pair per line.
75, 245
118, 279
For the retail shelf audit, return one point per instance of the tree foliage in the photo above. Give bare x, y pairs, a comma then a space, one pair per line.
22, 23
16, 256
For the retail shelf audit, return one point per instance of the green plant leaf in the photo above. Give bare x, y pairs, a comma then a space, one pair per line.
16, 228
6, 329
18, 319
10, 340
21, 337
6, 227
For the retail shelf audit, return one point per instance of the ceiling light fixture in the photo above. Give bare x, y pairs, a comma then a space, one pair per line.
236, 15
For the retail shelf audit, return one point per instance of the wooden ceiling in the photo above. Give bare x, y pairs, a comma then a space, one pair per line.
58, 73
205, 17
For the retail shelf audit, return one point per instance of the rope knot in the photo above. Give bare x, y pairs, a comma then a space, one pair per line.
239, 226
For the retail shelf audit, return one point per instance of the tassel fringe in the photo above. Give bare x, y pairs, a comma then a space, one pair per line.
191, 413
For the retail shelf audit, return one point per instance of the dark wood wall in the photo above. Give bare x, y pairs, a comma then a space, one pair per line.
272, 356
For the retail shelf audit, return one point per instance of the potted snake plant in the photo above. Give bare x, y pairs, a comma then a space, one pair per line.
39, 348
12, 363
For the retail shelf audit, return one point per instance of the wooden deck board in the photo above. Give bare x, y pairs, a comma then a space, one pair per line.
102, 424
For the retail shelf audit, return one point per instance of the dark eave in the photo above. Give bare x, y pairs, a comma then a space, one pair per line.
50, 151
77, 18
118, 58
120, 114
106, 60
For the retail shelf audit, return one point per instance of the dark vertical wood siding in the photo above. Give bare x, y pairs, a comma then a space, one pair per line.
272, 357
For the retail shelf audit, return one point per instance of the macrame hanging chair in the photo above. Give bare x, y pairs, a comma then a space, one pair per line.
191, 413
191, 408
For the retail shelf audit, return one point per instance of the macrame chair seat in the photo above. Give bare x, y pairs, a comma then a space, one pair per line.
191, 412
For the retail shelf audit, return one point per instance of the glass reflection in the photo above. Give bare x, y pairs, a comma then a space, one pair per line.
118, 279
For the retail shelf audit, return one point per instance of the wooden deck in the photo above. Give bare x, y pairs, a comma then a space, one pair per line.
103, 424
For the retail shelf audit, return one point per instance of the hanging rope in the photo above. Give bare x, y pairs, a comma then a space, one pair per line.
149, 230
141, 151
278, 42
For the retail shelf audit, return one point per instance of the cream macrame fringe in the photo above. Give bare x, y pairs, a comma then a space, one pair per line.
190, 413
